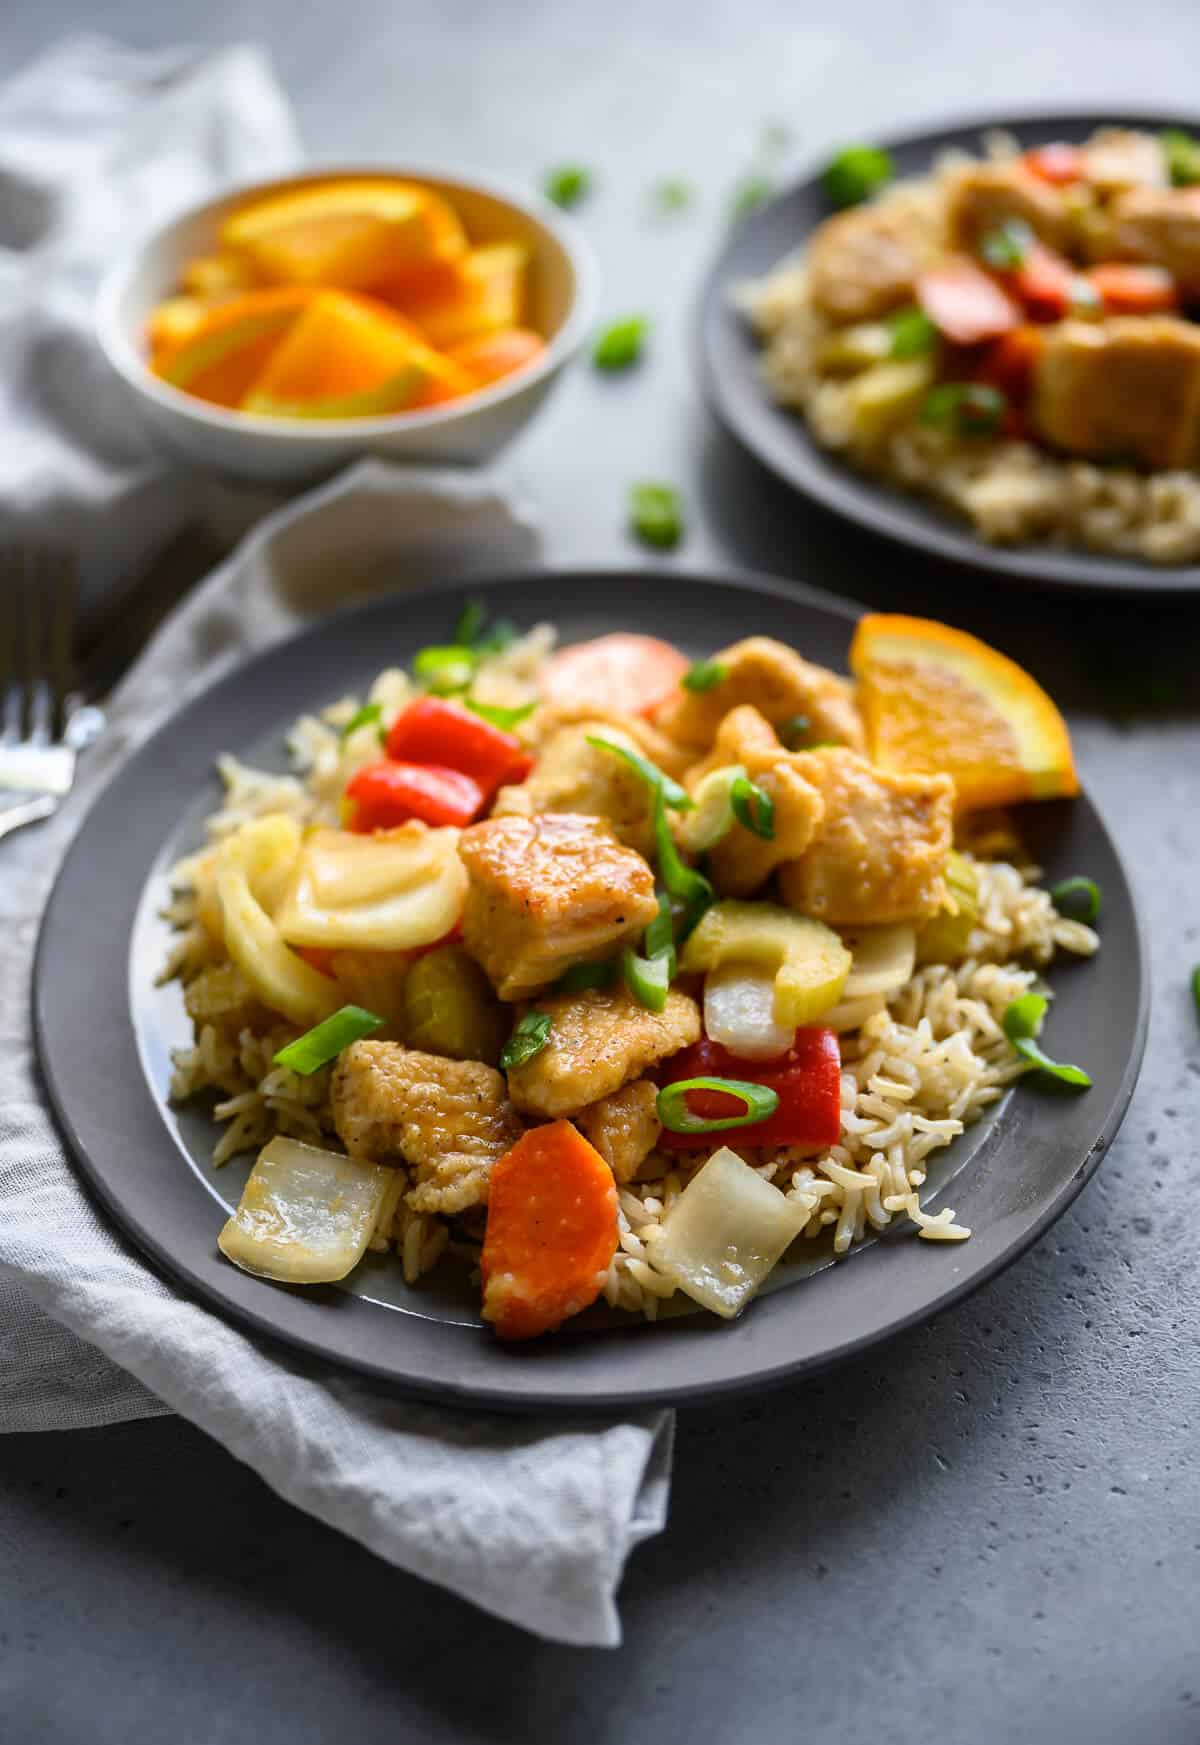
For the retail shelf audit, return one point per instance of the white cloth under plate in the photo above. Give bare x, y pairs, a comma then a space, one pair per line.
532, 1519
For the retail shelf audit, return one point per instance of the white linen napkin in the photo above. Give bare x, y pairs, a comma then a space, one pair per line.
531, 1519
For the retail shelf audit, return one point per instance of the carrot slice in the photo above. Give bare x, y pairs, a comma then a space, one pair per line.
1126, 288
551, 1232
629, 674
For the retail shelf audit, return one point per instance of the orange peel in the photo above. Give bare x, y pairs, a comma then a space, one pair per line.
937, 699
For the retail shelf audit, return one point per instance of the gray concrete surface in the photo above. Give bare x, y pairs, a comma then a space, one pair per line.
987, 1533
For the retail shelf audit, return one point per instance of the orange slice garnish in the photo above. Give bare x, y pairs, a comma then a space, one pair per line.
349, 235
221, 355
936, 699
455, 300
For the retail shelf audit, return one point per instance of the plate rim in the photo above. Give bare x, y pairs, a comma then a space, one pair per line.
227, 1298
904, 519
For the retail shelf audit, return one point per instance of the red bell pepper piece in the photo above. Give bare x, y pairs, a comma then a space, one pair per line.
964, 304
384, 795
1057, 163
434, 730
1126, 289
807, 1081
1047, 284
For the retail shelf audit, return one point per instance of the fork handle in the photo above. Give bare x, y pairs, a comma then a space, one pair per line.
29, 812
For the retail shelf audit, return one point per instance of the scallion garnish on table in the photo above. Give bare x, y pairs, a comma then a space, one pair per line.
857, 172
759, 1104
567, 184
656, 515
620, 344
325, 1041
1022, 1023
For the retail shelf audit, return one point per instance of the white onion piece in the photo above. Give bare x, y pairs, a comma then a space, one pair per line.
725, 1232
883, 959
851, 1014
306, 1215
387, 892
739, 1012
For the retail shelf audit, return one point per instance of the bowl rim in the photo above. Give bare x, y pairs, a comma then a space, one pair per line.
123, 354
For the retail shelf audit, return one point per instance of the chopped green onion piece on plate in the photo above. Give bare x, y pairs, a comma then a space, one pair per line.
753, 807
673, 794
1022, 1023
689, 888
471, 621
370, 712
759, 1104
620, 344
529, 1038
659, 938
1006, 246
857, 172
506, 719
1182, 153
1077, 898
704, 675
913, 333
656, 515
964, 408
446, 668
325, 1041
793, 731
647, 978
586, 975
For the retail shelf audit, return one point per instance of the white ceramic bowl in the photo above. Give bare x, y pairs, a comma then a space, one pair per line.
562, 297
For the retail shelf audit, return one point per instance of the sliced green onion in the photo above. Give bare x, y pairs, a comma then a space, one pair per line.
857, 172
620, 344
647, 978
1077, 898
689, 888
567, 184
585, 975
913, 333
751, 192
326, 1040
362, 718
1085, 298
502, 634
1182, 153
1022, 1023
471, 621
1196, 989
529, 1038
704, 675
659, 938
753, 807
792, 731
444, 669
506, 719
1006, 246
673, 794
965, 408
672, 194
760, 1103
656, 515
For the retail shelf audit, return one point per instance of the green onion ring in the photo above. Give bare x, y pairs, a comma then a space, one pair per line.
318, 1046
761, 1103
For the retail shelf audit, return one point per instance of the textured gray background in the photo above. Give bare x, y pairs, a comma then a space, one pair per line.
987, 1533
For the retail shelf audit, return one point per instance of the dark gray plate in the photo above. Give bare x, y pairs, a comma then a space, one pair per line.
730, 372
104, 1032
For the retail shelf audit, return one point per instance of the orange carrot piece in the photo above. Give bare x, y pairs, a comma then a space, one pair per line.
1127, 288
551, 1232
629, 673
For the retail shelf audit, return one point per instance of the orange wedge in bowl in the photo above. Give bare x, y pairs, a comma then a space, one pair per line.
456, 300
350, 234
350, 357
218, 357
491, 356
933, 699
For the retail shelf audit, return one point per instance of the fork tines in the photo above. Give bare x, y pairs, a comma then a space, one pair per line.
38, 601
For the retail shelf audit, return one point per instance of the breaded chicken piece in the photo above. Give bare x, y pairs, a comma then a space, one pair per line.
1117, 158
599, 1040
1158, 225
881, 849
742, 862
648, 738
780, 685
624, 1128
863, 263
221, 995
450, 1120
572, 776
546, 892
979, 197
1121, 389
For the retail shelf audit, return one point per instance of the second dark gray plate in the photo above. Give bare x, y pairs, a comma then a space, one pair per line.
730, 360
1013, 1174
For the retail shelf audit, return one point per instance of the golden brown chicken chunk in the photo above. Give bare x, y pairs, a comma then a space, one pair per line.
624, 1128
981, 196
863, 263
780, 685
1116, 158
1123, 389
742, 862
1158, 225
547, 892
599, 1040
450, 1120
571, 775
882, 846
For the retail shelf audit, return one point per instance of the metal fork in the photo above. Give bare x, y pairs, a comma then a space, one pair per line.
38, 603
